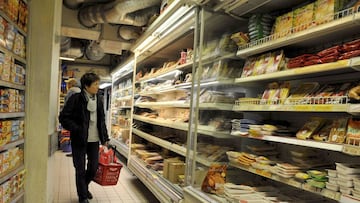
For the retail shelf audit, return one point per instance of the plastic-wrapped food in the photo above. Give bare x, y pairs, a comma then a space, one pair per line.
283, 24
215, 179
310, 128
353, 131
304, 17
325, 10
338, 130
248, 69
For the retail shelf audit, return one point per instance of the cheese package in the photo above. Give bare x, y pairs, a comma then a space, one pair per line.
310, 128
326, 9
303, 17
353, 131
283, 25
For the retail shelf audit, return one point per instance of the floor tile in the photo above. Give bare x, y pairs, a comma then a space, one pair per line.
129, 189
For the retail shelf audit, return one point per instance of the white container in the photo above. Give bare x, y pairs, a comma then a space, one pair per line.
346, 168
345, 183
345, 190
333, 187
332, 180
348, 176
357, 184
332, 173
356, 193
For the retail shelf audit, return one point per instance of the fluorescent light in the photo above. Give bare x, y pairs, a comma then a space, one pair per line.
105, 85
163, 29
66, 58
124, 69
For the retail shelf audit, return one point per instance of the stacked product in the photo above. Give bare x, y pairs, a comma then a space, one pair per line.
260, 26
10, 159
210, 96
317, 178
285, 170
213, 153
152, 159
346, 174
6, 62
11, 100
11, 130
241, 126
221, 69
11, 187
266, 63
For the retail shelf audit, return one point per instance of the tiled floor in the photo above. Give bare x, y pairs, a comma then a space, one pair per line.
128, 190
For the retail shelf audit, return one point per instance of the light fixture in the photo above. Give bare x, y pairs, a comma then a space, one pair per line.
104, 85
66, 58
123, 69
170, 24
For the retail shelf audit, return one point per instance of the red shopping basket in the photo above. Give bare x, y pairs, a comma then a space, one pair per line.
108, 174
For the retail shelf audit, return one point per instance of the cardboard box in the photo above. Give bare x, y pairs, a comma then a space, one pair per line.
176, 169
167, 164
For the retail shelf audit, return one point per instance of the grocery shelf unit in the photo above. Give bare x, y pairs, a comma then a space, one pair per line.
344, 24
12, 111
122, 106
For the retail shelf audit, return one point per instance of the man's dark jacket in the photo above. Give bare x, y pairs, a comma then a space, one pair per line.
75, 117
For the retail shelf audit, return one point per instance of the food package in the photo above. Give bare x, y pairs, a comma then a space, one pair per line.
215, 179
3, 25
275, 61
23, 16
303, 17
353, 132
248, 69
326, 9
323, 133
283, 25
259, 26
240, 38
338, 130
309, 128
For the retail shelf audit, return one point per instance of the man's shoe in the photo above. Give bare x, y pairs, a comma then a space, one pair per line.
84, 201
89, 195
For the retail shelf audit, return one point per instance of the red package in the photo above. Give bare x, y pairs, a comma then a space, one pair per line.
106, 156
313, 57
294, 65
302, 57
329, 59
350, 54
330, 51
312, 62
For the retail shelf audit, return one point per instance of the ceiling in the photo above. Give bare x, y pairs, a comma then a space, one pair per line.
101, 32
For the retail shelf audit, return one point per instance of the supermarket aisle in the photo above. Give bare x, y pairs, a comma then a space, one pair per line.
128, 190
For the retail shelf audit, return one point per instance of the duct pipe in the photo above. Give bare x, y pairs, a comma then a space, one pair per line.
76, 4
71, 48
94, 51
119, 12
129, 32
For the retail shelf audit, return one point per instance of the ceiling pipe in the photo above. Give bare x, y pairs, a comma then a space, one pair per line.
128, 12
94, 52
71, 49
76, 4
129, 32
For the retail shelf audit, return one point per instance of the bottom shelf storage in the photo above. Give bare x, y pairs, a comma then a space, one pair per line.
160, 187
192, 194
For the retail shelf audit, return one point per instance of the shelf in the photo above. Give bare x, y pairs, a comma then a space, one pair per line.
17, 197
162, 91
124, 98
295, 141
122, 89
349, 108
318, 33
161, 188
302, 72
205, 130
216, 106
165, 123
11, 85
211, 83
121, 147
173, 104
163, 143
167, 74
12, 144
288, 181
199, 196
12, 22
122, 107
11, 173
12, 115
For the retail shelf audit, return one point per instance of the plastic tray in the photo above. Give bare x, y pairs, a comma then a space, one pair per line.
346, 168
333, 187
332, 173
345, 183
345, 190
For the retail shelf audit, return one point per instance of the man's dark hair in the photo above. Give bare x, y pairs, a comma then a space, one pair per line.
88, 78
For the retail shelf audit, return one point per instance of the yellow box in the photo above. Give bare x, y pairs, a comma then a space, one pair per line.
176, 169
166, 166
